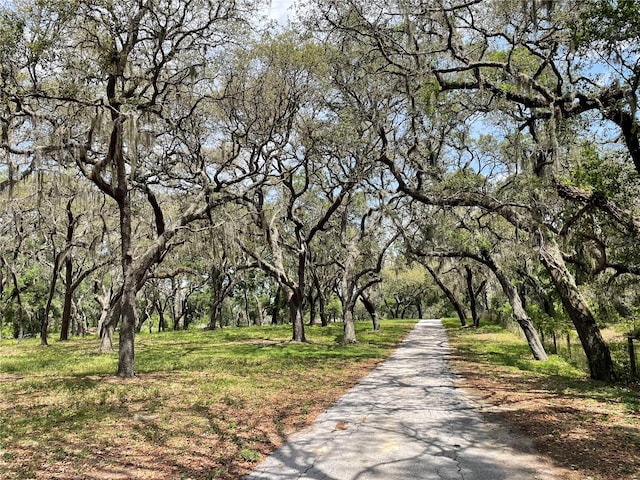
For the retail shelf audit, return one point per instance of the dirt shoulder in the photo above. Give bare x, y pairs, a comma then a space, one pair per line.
583, 437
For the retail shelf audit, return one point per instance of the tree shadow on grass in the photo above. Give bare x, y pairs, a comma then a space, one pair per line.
580, 424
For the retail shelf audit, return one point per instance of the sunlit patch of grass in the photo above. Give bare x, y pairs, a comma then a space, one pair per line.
205, 398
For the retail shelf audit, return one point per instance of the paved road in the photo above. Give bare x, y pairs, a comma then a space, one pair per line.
405, 420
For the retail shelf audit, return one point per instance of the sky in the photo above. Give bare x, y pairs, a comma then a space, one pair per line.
280, 11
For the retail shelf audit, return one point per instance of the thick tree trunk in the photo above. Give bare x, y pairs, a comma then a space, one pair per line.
296, 315
598, 355
297, 321
106, 337
215, 315
128, 319
349, 324
450, 296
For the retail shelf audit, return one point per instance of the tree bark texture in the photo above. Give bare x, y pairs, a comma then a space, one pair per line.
128, 318
296, 314
349, 325
520, 314
598, 355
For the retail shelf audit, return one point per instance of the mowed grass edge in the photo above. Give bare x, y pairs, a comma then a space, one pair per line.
204, 404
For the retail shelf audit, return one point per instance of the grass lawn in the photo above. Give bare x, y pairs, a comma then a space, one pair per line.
204, 404
589, 428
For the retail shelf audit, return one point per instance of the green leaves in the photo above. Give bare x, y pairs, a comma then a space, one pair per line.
609, 22
611, 176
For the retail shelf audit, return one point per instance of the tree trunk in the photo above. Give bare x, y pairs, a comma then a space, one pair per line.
598, 356
162, 323
44, 323
275, 312
247, 313
108, 320
472, 296
324, 320
296, 315
68, 297
349, 324
106, 337
259, 315
520, 314
128, 300
312, 308
68, 274
450, 296
396, 307
321, 299
371, 310
215, 315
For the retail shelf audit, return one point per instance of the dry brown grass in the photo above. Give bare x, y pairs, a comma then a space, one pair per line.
589, 430
210, 405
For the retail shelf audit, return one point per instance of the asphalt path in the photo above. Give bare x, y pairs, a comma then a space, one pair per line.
405, 420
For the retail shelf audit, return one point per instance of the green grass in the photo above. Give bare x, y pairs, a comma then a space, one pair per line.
228, 350
494, 345
63, 401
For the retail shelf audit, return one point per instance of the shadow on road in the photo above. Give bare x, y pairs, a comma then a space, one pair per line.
406, 420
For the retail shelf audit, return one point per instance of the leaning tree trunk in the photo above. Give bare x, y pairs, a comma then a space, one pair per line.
520, 314
371, 310
450, 296
106, 338
598, 355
